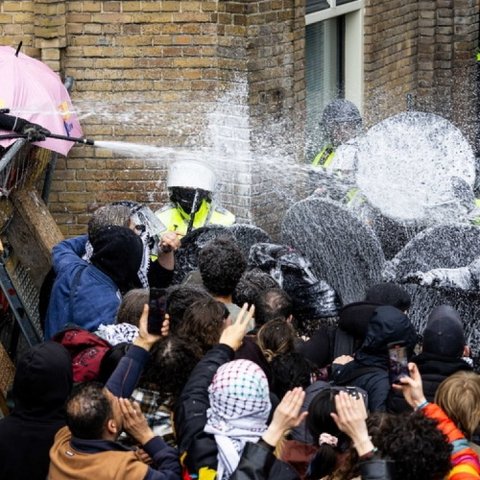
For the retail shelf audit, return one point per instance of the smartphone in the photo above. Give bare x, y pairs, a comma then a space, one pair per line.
398, 361
156, 310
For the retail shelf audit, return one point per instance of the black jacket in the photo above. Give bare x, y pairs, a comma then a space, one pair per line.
42, 383
259, 463
369, 370
434, 369
191, 417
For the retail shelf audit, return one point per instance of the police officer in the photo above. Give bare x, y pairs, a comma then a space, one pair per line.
190, 186
342, 123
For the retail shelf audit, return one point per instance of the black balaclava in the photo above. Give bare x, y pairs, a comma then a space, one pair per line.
184, 197
118, 252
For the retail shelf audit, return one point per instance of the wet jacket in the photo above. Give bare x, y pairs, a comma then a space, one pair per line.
175, 219
87, 294
369, 369
197, 448
42, 383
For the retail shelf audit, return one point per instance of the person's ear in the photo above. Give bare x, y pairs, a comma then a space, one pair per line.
290, 318
466, 351
112, 426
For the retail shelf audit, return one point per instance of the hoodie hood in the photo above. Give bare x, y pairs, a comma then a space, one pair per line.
43, 381
444, 334
387, 325
118, 252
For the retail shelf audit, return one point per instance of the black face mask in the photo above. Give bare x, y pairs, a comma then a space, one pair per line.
185, 198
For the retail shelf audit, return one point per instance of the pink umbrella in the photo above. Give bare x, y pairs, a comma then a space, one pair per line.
33, 91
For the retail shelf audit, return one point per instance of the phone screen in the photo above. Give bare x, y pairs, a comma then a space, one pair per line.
156, 310
398, 361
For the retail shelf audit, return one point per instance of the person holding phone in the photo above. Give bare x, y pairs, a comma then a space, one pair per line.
369, 369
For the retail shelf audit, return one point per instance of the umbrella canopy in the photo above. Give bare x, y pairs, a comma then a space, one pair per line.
33, 91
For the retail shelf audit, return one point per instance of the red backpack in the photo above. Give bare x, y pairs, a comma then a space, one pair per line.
87, 351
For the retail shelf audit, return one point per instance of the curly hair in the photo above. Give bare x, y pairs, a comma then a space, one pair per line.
415, 445
179, 298
171, 363
251, 284
221, 264
203, 323
276, 337
459, 396
290, 370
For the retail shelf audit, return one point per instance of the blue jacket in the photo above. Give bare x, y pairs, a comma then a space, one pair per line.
82, 294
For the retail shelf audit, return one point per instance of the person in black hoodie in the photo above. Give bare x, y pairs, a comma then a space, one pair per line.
42, 383
369, 368
442, 352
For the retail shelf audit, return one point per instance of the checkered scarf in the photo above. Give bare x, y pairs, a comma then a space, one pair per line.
239, 408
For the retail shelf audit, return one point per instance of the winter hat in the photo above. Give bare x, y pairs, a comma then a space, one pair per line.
389, 294
118, 252
444, 334
239, 409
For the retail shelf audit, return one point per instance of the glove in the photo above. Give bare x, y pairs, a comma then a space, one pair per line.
34, 132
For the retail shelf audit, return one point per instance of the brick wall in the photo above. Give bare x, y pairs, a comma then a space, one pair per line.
223, 81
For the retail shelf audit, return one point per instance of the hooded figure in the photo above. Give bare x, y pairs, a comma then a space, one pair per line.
442, 351
89, 294
369, 369
42, 383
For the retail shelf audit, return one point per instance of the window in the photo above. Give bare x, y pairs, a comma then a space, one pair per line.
333, 61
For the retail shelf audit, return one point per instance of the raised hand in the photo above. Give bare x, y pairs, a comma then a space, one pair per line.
233, 335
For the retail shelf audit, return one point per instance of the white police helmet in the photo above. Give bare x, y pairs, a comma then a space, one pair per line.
191, 174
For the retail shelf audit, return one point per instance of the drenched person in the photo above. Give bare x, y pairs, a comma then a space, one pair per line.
89, 294
273, 304
42, 383
191, 185
221, 264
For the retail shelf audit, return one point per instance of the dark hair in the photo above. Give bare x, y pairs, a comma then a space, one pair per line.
251, 284
290, 370
110, 361
171, 363
179, 298
272, 304
88, 410
276, 337
108, 215
131, 308
319, 420
389, 294
221, 264
203, 323
414, 443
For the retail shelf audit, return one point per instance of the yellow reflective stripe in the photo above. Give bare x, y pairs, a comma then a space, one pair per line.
324, 157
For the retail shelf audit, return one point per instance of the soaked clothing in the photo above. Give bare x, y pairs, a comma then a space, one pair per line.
42, 383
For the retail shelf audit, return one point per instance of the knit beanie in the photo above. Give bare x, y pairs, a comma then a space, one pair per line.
444, 334
118, 252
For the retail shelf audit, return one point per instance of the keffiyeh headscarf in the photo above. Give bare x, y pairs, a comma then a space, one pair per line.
238, 413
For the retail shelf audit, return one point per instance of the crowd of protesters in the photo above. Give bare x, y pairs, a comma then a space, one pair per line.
224, 384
